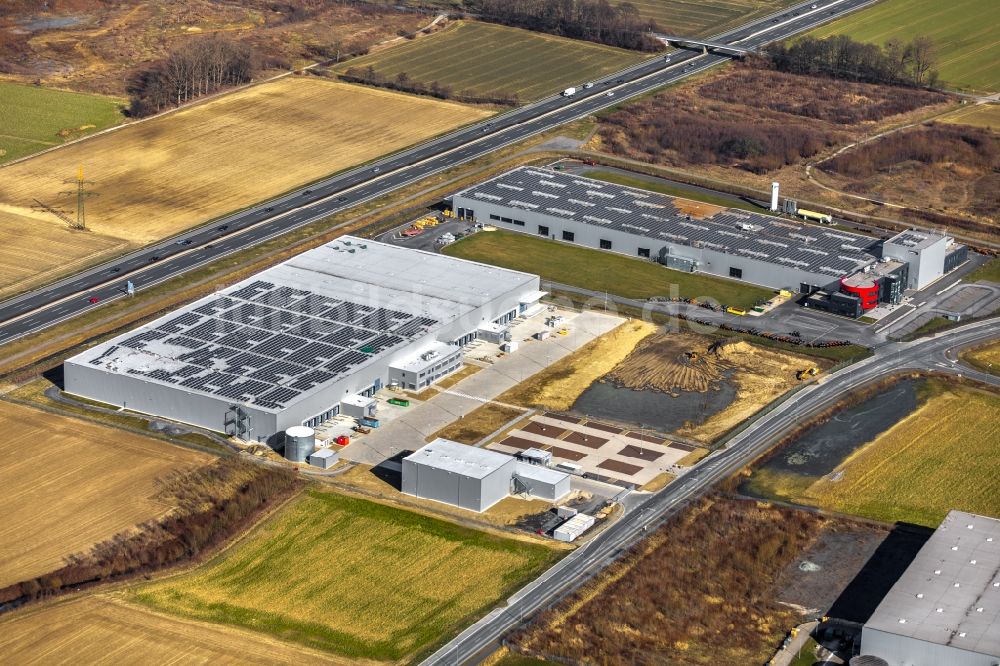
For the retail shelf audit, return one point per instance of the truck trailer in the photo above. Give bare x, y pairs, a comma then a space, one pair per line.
569, 92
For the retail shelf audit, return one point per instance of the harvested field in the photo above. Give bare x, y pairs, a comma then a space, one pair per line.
104, 630
70, 483
941, 456
673, 599
36, 118
600, 270
152, 176
483, 58
963, 31
353, 590
676, 362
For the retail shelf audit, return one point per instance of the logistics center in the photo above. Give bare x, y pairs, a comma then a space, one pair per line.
303, 341
843, 272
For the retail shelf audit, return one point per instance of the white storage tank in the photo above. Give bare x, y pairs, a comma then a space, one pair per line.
300, 442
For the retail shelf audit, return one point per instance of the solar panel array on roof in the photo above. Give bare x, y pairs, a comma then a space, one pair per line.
263, 344
649, 214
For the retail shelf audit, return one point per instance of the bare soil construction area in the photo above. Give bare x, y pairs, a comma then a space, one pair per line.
69, 484
157, 178
102, 629
676, 363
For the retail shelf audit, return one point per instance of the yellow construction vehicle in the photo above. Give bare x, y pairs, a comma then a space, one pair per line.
808, 372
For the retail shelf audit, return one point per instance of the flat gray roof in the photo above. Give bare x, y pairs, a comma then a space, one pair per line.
459, 458
641, 212
950, 593
917, 240
539, 473
304, 323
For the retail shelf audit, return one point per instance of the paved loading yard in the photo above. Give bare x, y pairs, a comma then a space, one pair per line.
622, 455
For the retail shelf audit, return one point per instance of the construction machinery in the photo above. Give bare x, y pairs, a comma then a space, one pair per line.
807, 373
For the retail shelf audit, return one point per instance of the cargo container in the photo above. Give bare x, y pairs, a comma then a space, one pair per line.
569, 92
573, 527
369, 422
736, 311
401, 402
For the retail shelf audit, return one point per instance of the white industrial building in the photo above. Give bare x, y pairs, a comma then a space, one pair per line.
688, 236
305, 340
945, 609
475, 479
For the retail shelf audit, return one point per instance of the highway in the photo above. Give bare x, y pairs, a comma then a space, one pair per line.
67, 298
937, 354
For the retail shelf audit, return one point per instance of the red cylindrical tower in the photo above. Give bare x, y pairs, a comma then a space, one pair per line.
864, 286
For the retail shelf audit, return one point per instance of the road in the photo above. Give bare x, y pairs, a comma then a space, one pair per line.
937, 354
67, 298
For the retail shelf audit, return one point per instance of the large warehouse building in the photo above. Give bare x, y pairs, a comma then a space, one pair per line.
298, 342
945, 609
691, 236
475, 479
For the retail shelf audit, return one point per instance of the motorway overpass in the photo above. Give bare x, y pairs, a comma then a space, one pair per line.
63, 300
704, 45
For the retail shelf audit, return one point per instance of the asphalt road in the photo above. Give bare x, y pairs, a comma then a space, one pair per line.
937, 354
39, 309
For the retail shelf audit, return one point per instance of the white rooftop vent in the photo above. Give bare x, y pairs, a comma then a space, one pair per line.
937, 572
979, 610
938, 610
902, 620
954, 547
920, 595
961, 634
972, 561
958, 585
969, 526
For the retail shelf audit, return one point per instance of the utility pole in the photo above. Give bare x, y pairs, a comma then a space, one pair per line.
81, 195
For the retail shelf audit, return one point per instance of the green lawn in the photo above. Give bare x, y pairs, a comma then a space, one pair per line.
34, 118
672, 190
964, 30
599, 271
483, 58
990, 271
354, 577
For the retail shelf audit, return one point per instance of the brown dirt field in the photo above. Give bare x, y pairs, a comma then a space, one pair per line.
103, 629
69, 484
160, 177
674, 362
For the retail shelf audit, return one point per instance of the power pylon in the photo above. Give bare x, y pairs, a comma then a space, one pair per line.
81, 195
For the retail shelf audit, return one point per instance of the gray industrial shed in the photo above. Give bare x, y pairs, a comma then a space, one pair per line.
945, 608
456, 474
540, 482
729, 243
285, 347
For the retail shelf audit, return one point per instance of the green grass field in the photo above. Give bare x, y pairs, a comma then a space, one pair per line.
977, 115
599, 271
672, 190
482, 57
353, 577
705, 17
942, 456
965, 32
35, 118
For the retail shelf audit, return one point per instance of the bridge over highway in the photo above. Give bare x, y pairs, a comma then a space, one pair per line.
705, 44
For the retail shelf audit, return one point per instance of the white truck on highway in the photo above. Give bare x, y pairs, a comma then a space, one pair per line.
569, 92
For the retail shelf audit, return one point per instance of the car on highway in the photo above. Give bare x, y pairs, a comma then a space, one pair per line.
155, 257
610, 94
376, 169
307, 191
341, 199
222, 228
183, 241
115, 269
588, 85
93, 299
269, 209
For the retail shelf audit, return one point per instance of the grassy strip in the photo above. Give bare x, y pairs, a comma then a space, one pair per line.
990, 271
354, 577
672, 190
600, 271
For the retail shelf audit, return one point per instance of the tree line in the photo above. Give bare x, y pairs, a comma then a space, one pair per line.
212, 503
197, 68
403, 83
909, 63
591, 20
